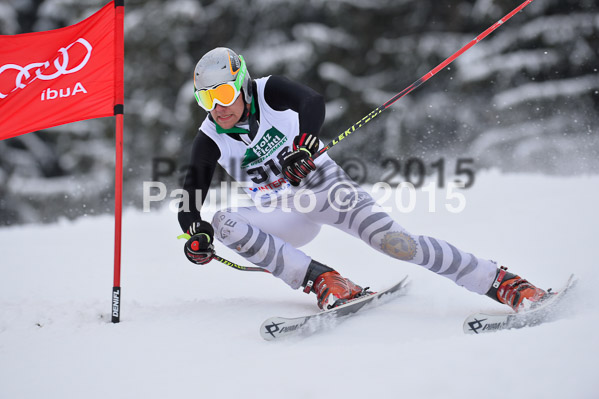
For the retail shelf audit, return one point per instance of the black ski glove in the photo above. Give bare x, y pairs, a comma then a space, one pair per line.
199, 249
297, 164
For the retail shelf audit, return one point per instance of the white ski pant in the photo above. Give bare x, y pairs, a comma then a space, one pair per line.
269, 236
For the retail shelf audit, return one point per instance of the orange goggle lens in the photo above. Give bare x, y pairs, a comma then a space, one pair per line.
224, 94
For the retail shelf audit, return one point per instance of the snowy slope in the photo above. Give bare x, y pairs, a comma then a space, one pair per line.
192, 332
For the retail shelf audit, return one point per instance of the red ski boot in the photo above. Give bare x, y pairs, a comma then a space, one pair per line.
515, 291
331, 288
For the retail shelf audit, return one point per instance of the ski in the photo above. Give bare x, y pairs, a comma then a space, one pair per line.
275, 328
548, 310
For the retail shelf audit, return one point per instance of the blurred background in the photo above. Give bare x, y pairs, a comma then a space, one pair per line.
526, 99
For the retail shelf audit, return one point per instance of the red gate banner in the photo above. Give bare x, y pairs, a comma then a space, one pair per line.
59, 76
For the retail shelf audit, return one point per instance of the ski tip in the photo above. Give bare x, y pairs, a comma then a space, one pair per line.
571, 282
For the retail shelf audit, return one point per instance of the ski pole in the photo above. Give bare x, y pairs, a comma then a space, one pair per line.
228, 262
239, 267
420, 81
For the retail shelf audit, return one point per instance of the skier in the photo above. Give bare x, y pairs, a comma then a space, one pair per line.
266, 131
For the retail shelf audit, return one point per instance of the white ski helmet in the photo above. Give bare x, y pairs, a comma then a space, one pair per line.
222, 65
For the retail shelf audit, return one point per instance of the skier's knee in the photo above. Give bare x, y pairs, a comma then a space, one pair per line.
227, 224
399, 245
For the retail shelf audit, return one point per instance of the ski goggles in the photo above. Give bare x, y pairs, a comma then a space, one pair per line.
224, 94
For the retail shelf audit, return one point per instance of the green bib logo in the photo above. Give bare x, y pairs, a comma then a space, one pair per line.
271, 141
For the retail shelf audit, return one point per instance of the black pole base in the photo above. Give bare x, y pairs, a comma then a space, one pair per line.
116, 304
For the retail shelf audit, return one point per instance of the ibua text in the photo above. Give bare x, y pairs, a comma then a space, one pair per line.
51, 94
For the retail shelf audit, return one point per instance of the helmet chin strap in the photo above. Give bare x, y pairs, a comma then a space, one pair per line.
247, 111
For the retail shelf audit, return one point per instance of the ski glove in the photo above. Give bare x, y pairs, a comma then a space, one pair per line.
297, 164
199, 249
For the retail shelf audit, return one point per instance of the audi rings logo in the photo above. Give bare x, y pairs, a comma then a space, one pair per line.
61, 63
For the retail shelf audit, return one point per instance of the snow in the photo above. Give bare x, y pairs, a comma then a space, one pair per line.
477, 69
535, 91
324, 36
190, 331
